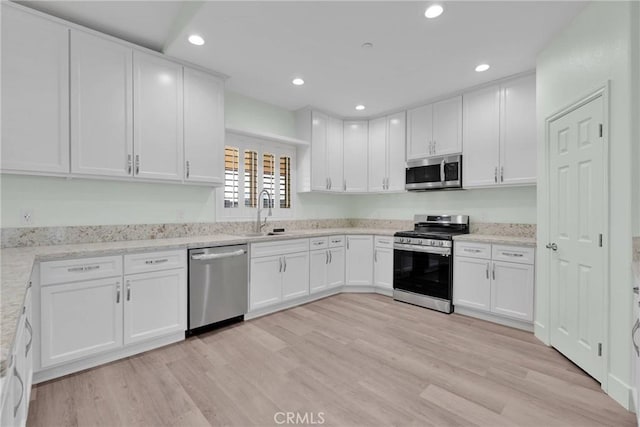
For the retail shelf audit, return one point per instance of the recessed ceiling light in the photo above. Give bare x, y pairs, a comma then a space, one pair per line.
196, 39
297, 81
482, 67
360, 107
433, 11
367, 45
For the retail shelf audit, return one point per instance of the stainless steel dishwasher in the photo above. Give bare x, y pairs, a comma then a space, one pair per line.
218, 285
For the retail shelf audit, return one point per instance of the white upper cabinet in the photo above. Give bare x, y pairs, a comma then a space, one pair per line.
35, 94
101, 106
518, 145
500, 134
387, 139
377, 154
157, 115
203, 127
319, 130
435, 129
335, 155
356, 134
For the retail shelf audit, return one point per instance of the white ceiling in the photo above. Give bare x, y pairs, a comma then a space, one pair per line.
262, 45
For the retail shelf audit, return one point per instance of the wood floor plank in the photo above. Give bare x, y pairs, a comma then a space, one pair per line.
359, 359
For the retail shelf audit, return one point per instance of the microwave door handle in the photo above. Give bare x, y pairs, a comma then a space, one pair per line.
442, 177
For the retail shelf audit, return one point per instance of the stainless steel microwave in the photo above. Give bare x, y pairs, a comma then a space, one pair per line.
435, 173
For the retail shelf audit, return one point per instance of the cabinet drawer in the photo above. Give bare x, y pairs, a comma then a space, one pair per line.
473, 250
336, 241
518, 254
154, 261
318, 243
279, 248
52, 272
384, 241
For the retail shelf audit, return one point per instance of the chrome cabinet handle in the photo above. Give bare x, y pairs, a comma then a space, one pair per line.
129, 165
501, 173
326, 257
156, 261
330, 184
137, 164
188, 167
435, 151
128, 290
375, 255
511, 254
27, 325
552, 246
118, 294
345, 185
330, 256
284, 258
493, 271
475, 251
17, 375
636, 326
280, 270
347, 243
384, 241
83, 268
487, 271
495, 175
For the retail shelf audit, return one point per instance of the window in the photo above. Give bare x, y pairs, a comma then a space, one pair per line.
252, 165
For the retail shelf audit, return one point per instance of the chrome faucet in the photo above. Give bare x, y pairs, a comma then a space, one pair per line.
259, 224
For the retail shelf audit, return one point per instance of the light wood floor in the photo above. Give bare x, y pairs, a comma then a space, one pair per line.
358, 359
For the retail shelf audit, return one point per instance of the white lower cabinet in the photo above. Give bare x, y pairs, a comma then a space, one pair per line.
484, 282
279, 272
359, 261
336, 267
383, 263
326, 267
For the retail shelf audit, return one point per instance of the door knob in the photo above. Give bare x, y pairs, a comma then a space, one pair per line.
552, 246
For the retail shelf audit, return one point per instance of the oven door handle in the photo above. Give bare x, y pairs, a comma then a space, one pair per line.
423, 249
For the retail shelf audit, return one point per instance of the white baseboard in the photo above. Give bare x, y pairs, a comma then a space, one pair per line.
513, 323
93, 361
620, 391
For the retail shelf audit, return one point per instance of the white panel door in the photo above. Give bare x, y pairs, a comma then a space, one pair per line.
318, 266
518, 145
447, 126
577, 206
419, 132
203, 127
471, 283
155, 305
335, 161
319, 134
295, 275
80, 319
359, 261
377, 154
336, 267
512, 290
355, 148
35, 94
265, 287
101, 106
383, 267
396, 143
481, 135
158, 119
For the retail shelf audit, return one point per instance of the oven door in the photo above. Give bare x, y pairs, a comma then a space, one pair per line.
424, 271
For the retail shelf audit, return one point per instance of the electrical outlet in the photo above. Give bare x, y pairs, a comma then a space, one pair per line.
26, 216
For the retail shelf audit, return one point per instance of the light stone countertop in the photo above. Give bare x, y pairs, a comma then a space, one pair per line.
497, 239
17, 265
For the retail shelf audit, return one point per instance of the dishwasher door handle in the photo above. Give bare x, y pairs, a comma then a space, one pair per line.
209, 257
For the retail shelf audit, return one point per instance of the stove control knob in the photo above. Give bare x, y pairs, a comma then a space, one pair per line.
440, 243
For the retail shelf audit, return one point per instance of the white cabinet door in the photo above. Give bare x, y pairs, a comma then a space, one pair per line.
318, 266
518, 145
481, 135
319, 131
396, 165
471, 283
355, 151
359, 261
80, 319
101, 106
377, 154
266, 282
383, 267
8, 402
158, 119
447, 126
335, 162
203, 127
35, 94
419, 132
512, 290
335, 270
155, 305
295, 275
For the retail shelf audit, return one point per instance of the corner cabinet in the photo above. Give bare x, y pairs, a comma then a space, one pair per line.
495, 279
499, 132
387, 138
435, 129
355, 140
359, 260
35, 94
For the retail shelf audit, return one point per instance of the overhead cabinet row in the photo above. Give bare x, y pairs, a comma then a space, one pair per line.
80, 104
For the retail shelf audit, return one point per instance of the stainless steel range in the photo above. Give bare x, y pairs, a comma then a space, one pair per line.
423, 262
